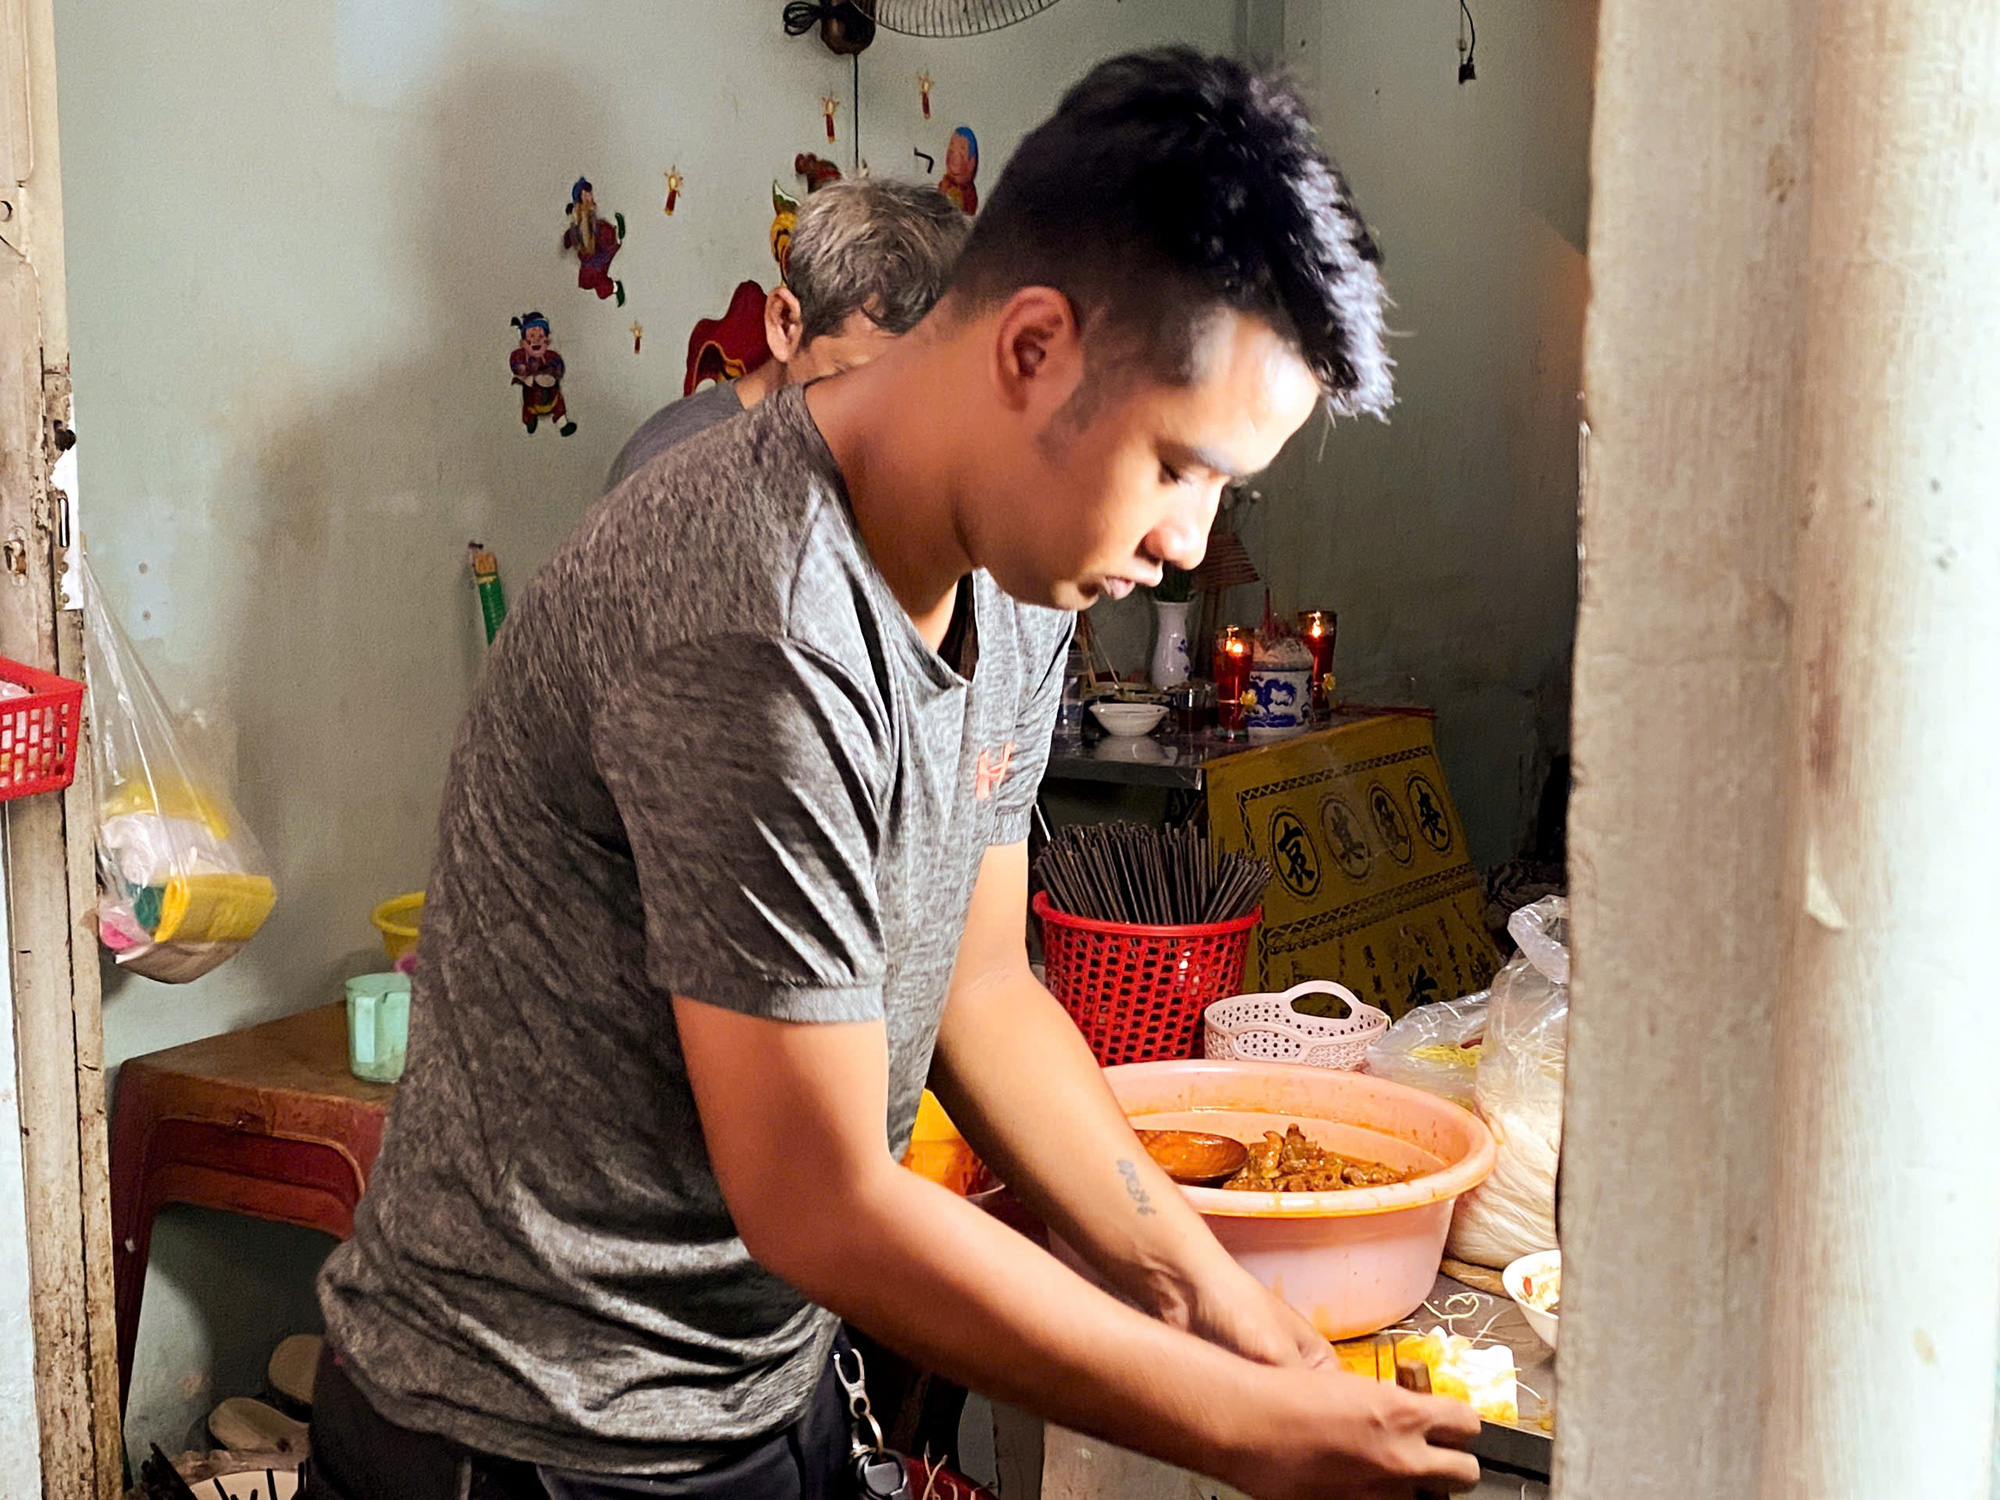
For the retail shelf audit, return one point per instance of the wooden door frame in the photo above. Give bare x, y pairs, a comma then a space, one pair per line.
50, 877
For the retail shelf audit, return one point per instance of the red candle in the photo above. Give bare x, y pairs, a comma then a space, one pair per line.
1233, 651
1317, 628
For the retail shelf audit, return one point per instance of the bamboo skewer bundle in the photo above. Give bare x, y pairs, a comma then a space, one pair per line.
1123, 872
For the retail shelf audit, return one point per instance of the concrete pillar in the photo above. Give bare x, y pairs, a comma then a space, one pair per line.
1886, 1291
1698, 238
1783, 1223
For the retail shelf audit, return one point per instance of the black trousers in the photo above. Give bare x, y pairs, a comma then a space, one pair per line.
358, 1454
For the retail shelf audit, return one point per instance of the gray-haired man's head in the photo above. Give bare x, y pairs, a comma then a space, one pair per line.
869, 258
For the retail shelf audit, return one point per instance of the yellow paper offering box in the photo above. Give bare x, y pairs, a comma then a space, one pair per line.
1374, 888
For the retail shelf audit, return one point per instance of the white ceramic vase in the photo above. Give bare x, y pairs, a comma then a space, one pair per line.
1170, 642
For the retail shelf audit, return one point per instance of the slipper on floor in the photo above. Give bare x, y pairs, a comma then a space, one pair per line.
248, 1426
250, 1484
293, 1365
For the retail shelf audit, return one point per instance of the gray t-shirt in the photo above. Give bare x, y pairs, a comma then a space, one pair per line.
670, 425
710, 756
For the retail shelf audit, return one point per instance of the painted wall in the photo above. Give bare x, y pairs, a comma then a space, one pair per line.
1446, 538
296, 236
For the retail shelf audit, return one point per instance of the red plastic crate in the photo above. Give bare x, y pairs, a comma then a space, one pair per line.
1137, 993
38, 732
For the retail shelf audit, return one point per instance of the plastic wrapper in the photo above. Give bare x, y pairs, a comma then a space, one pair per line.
1435, 1048
182, 884
1518, 1090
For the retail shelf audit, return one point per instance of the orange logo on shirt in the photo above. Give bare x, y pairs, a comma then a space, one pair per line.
990, 773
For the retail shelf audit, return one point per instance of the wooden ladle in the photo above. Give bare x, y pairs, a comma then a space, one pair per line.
1195, 1158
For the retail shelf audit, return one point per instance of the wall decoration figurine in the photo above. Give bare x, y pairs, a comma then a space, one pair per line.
594, 242
638, 333
673, 190
784, 217
816, 170
924, 92
961, 167
827, 105
538, 371
730, 346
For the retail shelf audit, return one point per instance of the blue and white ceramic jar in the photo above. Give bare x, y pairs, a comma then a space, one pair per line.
1281, 681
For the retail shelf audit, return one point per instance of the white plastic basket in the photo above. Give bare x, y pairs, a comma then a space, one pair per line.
1265, 1028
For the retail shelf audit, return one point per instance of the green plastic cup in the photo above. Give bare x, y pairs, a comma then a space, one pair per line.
378, 1026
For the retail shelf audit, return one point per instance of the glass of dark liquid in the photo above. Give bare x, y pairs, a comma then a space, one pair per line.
1191, 703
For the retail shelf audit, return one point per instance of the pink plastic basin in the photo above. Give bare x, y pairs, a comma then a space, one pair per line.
1352, 1261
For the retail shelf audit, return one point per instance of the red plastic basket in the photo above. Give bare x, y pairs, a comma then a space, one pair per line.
1137, 993
38, 731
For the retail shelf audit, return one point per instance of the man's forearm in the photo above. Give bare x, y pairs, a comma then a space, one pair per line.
998, 1315
1019, 1080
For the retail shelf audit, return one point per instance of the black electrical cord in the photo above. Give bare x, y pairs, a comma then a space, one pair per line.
1467, 73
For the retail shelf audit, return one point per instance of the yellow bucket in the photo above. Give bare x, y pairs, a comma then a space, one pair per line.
397, 919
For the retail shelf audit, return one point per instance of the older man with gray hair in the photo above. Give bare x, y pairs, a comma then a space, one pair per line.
868, 259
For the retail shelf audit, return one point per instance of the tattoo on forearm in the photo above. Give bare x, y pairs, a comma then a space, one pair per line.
1134, 1188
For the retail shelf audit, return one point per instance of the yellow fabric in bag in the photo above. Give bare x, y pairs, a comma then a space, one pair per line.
170, 797
214, 908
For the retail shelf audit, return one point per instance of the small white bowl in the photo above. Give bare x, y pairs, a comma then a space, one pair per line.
1129, 719
1515, 1277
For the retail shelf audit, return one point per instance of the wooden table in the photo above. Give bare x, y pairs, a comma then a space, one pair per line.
266, 1121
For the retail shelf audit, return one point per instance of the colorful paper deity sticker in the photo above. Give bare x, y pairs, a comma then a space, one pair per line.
538, 370
784, 217
816, 170
827, 105
673, 190
924, 92
730, 346
594, 242
638, 333
961, 167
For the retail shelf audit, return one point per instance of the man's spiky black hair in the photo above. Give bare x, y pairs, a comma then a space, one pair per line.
1169, 184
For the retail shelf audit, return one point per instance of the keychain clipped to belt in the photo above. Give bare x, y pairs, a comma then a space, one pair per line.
874, 1473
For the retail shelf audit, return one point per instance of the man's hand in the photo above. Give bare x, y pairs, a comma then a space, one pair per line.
1329, 1435
1243, 1315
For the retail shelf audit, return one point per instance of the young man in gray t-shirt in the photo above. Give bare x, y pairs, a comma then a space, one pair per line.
732, 856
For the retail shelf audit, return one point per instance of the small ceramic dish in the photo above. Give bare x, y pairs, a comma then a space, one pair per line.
1129, 719
1536, 1271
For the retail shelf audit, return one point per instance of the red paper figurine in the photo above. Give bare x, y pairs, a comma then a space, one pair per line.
924, 91
827, 105
816, 170
730, 346
538, 370
594, 242
673, 188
